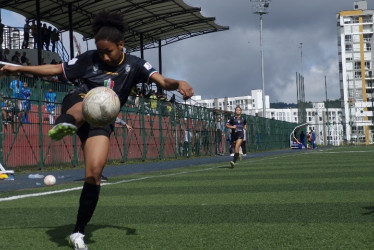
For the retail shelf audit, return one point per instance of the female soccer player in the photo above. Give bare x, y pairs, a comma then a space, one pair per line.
106, 66
237, 125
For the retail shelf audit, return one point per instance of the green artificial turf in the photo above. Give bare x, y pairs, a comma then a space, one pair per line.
321, 199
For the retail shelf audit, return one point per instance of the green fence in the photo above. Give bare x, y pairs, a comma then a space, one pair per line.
161, 130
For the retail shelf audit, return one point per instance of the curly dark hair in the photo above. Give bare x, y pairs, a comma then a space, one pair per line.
109, 26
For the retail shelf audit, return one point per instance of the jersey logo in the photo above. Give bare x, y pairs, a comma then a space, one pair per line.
95, 68
73, 61
147, 65
127, 68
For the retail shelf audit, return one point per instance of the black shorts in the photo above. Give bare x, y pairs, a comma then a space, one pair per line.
86, 130
237, 135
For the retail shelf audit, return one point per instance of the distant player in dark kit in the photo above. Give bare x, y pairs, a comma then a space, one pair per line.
237, 124
107, 66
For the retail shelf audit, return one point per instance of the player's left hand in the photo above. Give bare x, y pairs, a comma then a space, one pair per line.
185, 89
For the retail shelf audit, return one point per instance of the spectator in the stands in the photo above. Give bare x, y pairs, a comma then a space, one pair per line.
45, 37
15, 58
24, 58
34, 33
26, 35
48, 37
5, 55
55, 37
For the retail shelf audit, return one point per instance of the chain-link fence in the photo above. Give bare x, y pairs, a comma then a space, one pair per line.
161, 130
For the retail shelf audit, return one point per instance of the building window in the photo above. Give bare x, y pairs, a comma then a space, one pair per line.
367, 19
348, 47
367, 37
348, 38
367, 65
356, 47
368, 47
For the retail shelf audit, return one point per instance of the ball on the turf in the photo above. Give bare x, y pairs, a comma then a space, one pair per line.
49, 180
100, 106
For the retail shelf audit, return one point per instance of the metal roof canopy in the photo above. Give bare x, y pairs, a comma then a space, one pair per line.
149, 21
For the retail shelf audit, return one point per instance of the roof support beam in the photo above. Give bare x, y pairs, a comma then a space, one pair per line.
39, 35
71, 35
141, 46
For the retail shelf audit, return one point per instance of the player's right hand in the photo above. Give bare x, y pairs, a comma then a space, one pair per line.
186, 90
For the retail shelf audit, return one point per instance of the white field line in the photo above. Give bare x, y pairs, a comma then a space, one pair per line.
343, 152
17, 197
151, 177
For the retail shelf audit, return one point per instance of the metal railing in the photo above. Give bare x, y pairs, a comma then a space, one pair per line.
13, 38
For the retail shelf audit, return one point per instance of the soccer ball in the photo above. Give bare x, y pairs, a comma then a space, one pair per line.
49, 180
100, 106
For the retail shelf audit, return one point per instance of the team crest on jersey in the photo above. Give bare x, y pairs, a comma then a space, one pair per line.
127, 68
95, 67
109, 83
147, 65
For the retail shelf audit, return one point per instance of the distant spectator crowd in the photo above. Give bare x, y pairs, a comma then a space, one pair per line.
49, 37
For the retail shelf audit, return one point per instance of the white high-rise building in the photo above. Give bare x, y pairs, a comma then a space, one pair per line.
326, 122
355, 42
251, 104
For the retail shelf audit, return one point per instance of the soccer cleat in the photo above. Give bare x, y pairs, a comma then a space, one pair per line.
244, 154
104, 178
232, 154
60, 130
76, 240
232, 164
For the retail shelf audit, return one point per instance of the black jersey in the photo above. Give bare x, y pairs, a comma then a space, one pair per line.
239, 123
89, 71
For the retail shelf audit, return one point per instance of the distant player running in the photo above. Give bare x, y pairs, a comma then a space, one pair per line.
237, 125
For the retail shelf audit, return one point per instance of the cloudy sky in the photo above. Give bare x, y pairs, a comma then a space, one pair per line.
228, 63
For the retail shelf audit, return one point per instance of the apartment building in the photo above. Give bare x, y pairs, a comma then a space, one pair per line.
326, 122
355, 42
251, 104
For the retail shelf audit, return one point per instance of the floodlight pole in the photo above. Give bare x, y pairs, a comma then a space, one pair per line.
260, 7
262, 71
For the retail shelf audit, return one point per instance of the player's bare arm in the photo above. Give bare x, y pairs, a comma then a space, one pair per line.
171, 84
40, 70
229, 126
